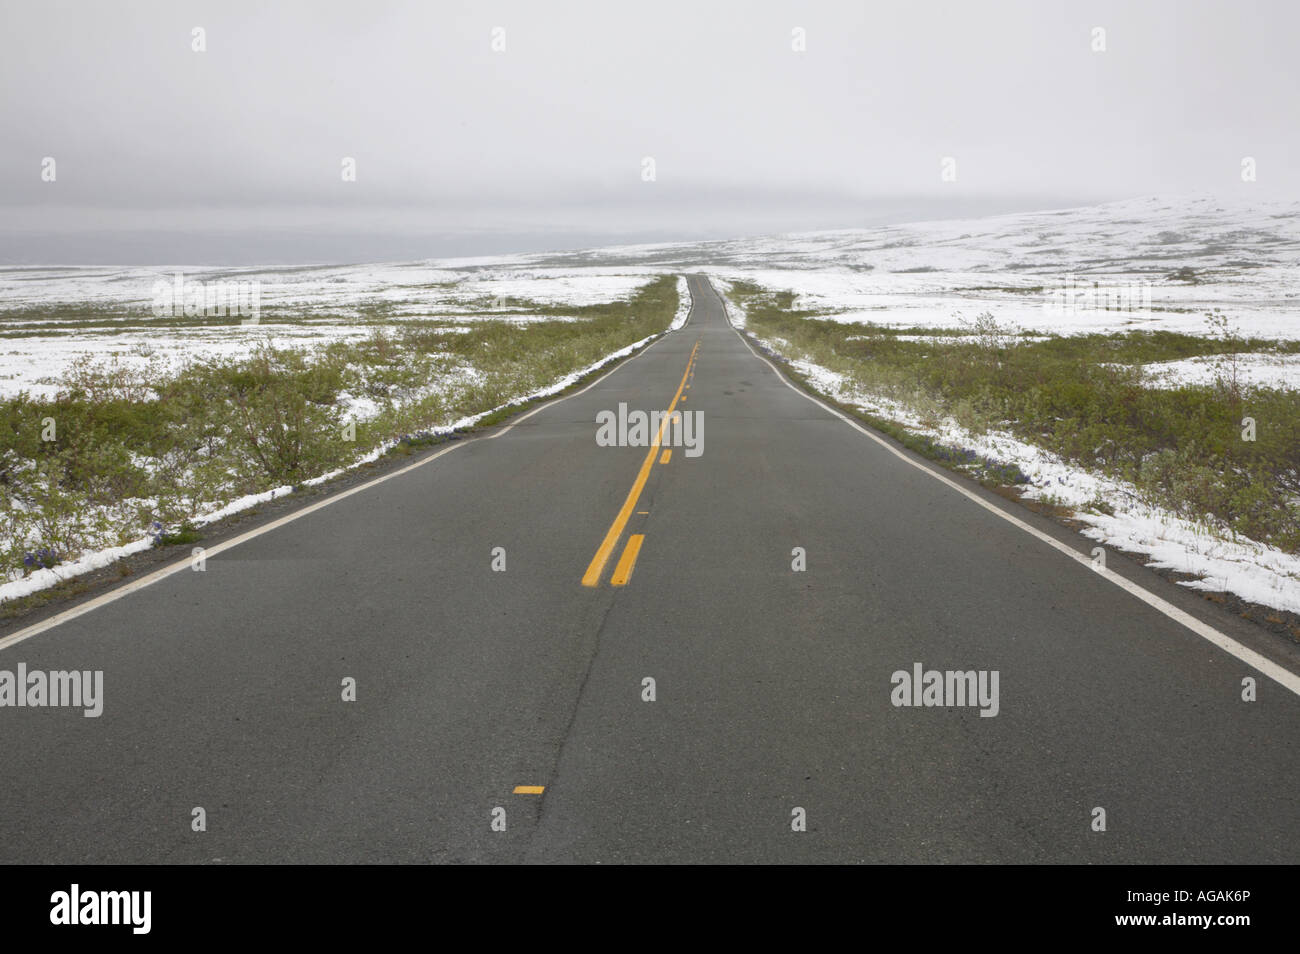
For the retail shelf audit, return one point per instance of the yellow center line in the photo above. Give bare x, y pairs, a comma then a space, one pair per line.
666, 456
627, 560
597, 565
529, 789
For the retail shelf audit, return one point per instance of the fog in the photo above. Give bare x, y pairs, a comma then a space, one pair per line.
489, 127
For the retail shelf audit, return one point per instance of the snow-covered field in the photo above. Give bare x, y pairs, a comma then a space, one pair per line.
413, 289
1032, 271
1054, 272
1281, 371
55, 316
37, 363
1035, 270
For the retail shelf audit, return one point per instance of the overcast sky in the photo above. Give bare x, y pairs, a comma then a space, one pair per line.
234, 154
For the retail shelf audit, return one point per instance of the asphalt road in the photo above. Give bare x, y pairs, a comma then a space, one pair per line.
222, 688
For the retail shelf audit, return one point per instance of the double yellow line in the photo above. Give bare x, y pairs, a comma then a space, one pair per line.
628, 559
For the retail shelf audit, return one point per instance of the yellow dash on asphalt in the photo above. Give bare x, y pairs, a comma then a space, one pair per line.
627, 560
597, 565
664, 457
529, 789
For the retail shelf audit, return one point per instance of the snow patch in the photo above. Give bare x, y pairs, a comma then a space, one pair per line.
683, 303
1253, 370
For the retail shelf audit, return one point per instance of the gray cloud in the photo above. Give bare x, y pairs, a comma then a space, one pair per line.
548, 136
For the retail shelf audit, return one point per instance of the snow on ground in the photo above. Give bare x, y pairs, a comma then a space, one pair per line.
1280, 371
683, 303
36, 363
326, 305
1033, 271
411, 289
943, 300
735, 311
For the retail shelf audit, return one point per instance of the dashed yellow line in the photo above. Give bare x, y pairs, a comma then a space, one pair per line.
597, 565
529, 789
627, 560
666, 456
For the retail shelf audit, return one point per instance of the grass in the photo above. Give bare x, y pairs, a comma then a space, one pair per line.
64, 589
186, 533
1083, 397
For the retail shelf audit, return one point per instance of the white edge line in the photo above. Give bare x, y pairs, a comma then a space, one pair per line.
1268, 667
104, 599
